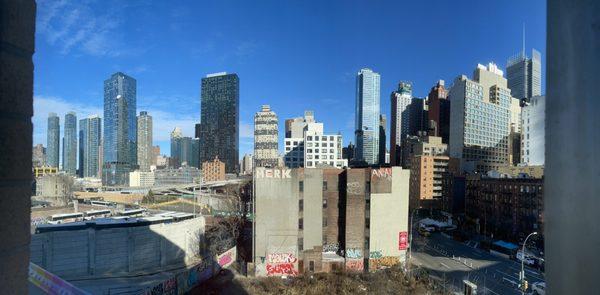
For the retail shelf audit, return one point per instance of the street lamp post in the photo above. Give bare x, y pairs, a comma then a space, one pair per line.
410, 237
523, 260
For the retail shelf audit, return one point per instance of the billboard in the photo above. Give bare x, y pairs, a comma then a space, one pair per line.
403, 240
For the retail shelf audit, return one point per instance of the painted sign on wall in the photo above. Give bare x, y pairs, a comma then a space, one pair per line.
403, 240
273, 173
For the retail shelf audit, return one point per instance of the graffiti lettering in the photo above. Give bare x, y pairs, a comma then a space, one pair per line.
382, 173
281, 269
353, 253
281, 258
227, 258
273, 173
354, 265
375, 254
383, 262
354, 188
332, 248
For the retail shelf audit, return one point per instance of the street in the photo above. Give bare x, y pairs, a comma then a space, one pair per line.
452, 262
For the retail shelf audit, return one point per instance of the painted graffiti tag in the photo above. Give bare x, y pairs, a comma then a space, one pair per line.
382, 173
273, 173
353, 253
332, 248
356, 265
375, 254
281, 258
354, 188
383, 262
281, 269
227, 258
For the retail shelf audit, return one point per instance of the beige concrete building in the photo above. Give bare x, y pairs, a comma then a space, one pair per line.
516, 171
426, 175
141, 179
421, 145
319, 220
213, 170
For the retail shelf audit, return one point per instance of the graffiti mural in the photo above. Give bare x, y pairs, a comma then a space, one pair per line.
381, 181
383, 262
273, 173
375, 254
354, 188
227, 258
332, 248
385, 173
278, 269
281, 258
353, 253
354, 265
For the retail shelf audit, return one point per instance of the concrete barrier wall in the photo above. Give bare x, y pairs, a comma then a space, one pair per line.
96, 253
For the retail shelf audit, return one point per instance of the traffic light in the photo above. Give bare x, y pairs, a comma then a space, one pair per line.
525, 285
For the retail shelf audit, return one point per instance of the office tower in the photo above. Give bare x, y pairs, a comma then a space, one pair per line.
480, 119
53, 138
533, 119
155, 154
195, 162
382, 139
197, 130
514, 137
176, 136
309, 147
90, 134
70, 144
247, 164
220, 117
120, 130
266, 139
144, 141
524, 75
439, 112
185, 152
418, 118
400, 124
367, 116
348, 152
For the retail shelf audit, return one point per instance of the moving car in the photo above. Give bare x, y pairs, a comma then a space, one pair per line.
528, 260
539, 288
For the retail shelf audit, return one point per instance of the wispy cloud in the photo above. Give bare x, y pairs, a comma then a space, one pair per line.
74, 27
245, 48
246, 130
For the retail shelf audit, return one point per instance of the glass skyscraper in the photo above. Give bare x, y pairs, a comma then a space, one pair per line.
90, 131
524, 75
367, 116
220, 117
53, 138
70, 144
120, 130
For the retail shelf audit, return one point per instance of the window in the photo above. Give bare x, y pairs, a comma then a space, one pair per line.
300, 205
324, 203
324, 221
301, 184
309, 138
311, 266
300, 244
324, 185
300, 224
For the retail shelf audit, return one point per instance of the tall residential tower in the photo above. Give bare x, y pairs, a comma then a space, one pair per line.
400, 123
144, 141
53, 138
220, 117
266, 140
90, 134
70, 144
120, 129
367, 116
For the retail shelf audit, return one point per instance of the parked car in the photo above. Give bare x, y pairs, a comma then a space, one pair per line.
539, 288
527, 259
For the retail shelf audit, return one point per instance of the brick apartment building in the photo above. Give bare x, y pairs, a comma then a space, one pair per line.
508, 208
323, 219
213, 170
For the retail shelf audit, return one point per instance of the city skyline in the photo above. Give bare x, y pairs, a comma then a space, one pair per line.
174, 99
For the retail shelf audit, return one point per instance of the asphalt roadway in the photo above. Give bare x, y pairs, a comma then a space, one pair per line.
451, 262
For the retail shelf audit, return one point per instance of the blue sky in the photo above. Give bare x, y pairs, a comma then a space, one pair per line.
293, 55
